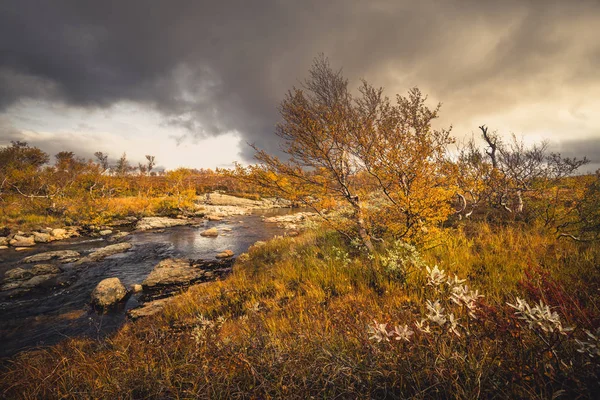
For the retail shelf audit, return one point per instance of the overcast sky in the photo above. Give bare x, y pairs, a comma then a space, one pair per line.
192, 82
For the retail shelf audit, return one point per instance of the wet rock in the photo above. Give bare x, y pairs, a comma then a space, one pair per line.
22, 241
118, 236
45, 269
40, 237
160, 222
20, 278
225, 254
22, 248
172, 272
3, 247
136, 288
60, 255
106, 251
214, 218
105, 232
108, 292
150, 308
16, 274
212, 232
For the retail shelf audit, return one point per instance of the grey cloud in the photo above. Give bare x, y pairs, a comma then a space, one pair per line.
212, 67
579, 148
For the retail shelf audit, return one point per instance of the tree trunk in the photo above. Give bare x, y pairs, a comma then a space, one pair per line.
362, 230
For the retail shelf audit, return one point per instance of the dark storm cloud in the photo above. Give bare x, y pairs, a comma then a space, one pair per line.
212, 67
579, 148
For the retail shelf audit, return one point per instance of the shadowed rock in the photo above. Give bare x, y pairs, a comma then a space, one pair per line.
150, 308
20, 278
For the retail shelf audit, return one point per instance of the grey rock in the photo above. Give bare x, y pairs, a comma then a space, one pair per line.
40, 237
106, 251
150, 308
160, 222
17, 274
172, 272
118, 236
108, 292
20, 278
61, 255
22, 241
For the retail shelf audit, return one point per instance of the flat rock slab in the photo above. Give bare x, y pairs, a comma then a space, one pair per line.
172, 272
21, 278
225, 254
60, 255
150, 308
106, 251
160, 222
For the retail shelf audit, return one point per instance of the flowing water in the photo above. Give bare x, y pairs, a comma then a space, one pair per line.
45, 318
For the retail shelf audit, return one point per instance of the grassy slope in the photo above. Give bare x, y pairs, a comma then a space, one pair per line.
291, 322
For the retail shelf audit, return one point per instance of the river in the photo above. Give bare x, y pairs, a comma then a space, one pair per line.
45, 318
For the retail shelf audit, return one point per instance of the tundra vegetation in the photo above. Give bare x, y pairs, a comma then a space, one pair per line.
436, 270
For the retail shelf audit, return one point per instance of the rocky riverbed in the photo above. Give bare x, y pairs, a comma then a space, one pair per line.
46, 293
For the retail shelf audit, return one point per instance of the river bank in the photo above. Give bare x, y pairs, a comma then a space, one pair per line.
45, 292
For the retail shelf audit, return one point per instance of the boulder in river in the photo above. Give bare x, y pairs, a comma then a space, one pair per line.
3, 241
105, 232
225, 254
63, 256
214, 218
104, 252
22, 241
108, 292
160, 222
212, 232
